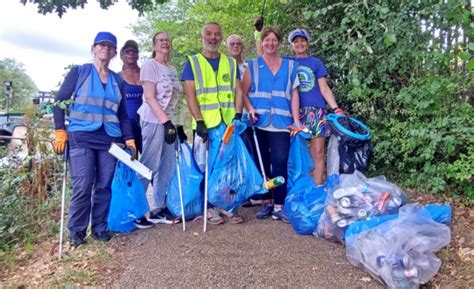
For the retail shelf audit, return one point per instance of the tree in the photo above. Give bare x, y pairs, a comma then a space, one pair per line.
61, 6
23, 86
405, 68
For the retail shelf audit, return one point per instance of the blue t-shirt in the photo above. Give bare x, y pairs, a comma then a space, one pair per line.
133, 98
310, 69
188, 71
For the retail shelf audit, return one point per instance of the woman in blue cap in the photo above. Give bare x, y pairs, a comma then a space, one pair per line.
98, 117
314, 93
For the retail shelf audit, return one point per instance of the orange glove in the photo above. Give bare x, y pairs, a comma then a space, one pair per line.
131, 146
60, 141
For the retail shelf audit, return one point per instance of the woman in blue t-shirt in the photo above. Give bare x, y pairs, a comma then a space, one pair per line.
132, 86
314, 93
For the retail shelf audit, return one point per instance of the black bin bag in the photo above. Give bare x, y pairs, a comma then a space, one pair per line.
355, 149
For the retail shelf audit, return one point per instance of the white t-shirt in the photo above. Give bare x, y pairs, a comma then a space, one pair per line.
168, 89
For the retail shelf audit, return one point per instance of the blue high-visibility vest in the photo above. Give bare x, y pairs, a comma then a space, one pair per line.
95, 105
270, 94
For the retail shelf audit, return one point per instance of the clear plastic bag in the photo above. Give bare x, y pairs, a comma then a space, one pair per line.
400, 252
357, 198
438, 213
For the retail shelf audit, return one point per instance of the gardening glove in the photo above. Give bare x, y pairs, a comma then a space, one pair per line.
201, 130
258, 24
238, 116
60, 141
182, 136
170, 132
130, 144
238, 124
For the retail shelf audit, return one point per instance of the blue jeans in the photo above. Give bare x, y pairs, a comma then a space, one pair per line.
92, 172
275, 149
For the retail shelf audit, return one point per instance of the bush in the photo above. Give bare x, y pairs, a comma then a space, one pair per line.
405, 68
30, 190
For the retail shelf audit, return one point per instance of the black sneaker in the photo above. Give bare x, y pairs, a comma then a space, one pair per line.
77, 239
142, 223
160, 217
103, 236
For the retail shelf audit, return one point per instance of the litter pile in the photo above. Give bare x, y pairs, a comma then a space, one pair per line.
391, 239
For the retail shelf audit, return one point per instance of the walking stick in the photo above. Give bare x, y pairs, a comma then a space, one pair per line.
183, 217
63, 201
206, 180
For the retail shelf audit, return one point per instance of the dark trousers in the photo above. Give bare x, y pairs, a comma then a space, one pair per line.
247, 138
92, 172
275, 148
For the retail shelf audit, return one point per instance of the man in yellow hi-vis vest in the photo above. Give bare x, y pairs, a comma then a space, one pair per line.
211, 83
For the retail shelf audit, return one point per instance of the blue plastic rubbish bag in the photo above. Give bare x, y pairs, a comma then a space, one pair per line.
128, 201
304, 204
300, 162
234, 177
191, 180
400, 252
438, 213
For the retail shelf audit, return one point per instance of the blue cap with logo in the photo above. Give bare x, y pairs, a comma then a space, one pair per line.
299, 32
105, 37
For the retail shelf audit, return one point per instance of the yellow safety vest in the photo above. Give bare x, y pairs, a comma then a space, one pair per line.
215, 94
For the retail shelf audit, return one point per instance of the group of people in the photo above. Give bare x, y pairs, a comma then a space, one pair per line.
137, 106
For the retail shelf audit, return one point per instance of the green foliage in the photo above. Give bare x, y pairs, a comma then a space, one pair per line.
30, 189
183, 20
403, 67
61, 6
23, 86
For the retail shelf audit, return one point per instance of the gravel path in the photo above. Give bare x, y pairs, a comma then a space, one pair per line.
255, 254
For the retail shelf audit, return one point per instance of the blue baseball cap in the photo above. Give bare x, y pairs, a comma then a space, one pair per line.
299, 32
106, 37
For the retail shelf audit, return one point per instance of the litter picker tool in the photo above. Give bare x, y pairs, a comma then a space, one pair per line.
259, 155
63, 202
206, 180
180, 188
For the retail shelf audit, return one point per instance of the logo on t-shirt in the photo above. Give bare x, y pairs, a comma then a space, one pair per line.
306, 77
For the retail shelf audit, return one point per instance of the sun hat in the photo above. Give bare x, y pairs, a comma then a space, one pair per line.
105, 37
299, 32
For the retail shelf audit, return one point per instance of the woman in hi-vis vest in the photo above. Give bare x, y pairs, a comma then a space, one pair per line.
98, 117
270, 88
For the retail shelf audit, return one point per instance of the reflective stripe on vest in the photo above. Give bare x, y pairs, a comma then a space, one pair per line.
273, 104
215, 94
95, 106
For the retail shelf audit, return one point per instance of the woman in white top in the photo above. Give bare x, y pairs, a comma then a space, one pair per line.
162, 90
